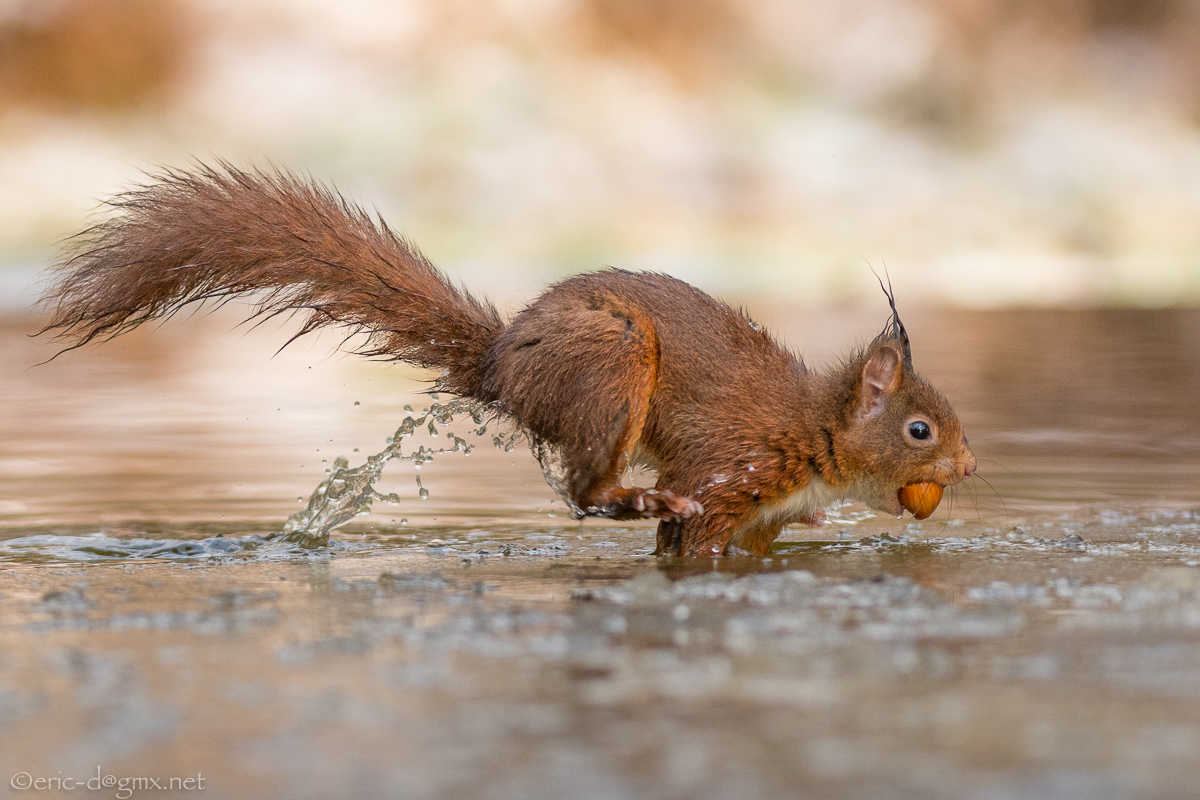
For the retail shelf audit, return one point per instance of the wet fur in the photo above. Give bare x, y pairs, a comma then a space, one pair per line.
601, 367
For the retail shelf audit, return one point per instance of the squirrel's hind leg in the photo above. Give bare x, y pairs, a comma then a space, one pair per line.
755, 539
727, 527
579, 374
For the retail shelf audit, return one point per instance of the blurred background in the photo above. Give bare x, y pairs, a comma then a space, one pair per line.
989, 152
1028, 171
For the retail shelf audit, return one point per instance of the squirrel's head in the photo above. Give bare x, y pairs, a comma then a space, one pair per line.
897, 429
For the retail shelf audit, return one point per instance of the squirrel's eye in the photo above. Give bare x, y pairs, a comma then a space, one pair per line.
919, 430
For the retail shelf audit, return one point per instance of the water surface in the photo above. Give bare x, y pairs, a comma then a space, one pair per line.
1036, 638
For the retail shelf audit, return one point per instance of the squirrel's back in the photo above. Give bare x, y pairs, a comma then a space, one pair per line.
704, 346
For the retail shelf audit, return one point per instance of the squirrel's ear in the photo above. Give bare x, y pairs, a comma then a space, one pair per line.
880, 378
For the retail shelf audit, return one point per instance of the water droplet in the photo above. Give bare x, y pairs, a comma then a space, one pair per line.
349, 493
404, 520
357, 403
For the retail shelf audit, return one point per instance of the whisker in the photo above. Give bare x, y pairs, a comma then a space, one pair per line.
974, 499
997, 463
949, 510
993, 488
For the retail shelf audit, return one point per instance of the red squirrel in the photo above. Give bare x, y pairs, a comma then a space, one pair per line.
604, 369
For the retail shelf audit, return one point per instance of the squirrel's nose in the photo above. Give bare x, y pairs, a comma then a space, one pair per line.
967, 459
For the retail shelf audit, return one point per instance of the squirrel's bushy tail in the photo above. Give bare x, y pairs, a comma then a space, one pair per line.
213, 233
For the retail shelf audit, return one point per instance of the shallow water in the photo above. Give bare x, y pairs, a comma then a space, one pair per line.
1038, 638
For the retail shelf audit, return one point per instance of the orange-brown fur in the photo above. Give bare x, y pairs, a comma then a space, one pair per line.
602, 368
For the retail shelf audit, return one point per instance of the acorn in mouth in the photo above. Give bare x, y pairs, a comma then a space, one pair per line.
921, 498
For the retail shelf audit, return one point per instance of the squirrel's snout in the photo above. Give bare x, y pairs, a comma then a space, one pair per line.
967, 459
957, 468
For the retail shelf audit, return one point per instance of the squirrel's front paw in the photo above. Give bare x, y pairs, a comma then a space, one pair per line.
639, 503
665, 504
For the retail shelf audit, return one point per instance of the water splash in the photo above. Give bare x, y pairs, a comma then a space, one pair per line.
350, 492
554, 470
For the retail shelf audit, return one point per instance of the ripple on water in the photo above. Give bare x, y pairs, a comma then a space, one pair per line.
58, 548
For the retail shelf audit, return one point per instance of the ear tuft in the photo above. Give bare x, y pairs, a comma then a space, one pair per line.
880, 378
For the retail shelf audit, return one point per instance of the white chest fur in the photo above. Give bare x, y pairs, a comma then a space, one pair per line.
812, 498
